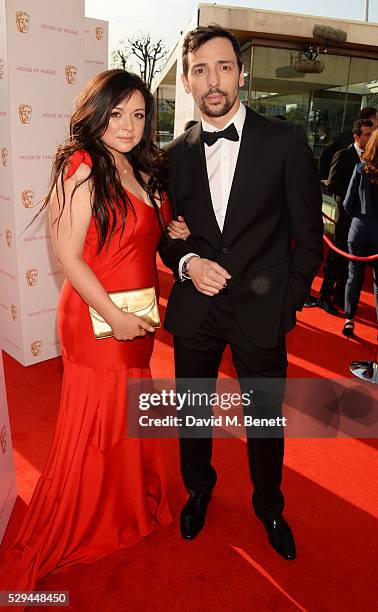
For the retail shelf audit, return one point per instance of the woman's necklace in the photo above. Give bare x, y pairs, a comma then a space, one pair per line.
123, 171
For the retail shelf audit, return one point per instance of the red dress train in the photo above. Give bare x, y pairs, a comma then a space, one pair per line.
100, 491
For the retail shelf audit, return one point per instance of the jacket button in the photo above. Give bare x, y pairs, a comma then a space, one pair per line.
226, 250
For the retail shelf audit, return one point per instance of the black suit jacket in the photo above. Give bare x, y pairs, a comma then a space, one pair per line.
275, 199
342, 141
341, 171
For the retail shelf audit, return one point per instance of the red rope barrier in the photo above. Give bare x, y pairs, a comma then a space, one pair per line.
329, 218
343, 253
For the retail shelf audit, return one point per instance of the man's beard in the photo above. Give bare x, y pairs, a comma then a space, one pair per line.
218, 110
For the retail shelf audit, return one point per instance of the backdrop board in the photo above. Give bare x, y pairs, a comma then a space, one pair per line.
10, 324
43, 63
8, 489
43, 51
95, 47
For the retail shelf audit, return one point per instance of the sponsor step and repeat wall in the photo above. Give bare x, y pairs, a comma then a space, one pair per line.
8, 489
48, 50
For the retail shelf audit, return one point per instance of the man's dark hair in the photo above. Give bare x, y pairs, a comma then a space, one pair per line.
190, 124
359, 124
366, 112
201, 35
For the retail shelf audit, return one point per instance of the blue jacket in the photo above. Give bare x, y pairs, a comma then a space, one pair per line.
362, 195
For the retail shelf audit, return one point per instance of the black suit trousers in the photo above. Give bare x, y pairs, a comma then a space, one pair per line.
362, 241
336, 266
199, 357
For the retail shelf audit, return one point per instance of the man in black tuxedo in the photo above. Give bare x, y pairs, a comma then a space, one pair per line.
336, 266
342, 141
248, 190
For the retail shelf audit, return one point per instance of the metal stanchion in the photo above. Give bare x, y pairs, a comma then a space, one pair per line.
366, 370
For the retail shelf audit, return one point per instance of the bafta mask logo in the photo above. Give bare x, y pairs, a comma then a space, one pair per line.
99, 32
8, 237
14, 312
71, 74
22, 22
32, 277
25, 113
36, 348
4, 156
3, 439
28, 198
2, 64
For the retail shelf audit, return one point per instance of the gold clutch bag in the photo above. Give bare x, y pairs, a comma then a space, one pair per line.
141, 302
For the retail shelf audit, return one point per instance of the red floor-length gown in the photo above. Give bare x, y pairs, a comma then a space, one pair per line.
99, 491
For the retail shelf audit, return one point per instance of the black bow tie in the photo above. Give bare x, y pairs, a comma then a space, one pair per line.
230, 133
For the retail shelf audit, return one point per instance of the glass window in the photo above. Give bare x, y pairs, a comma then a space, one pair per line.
325, 103
165, 114
363, 80
246, 57
315, 100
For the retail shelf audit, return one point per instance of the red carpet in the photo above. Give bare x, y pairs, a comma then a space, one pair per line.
330, 488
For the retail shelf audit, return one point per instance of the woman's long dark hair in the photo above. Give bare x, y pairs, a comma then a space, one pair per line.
88, 123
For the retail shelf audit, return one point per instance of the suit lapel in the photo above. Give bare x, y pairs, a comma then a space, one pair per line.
199, 180
356, 156
247, 164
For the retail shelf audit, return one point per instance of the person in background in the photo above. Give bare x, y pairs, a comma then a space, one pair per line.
336, 267
342, 141
361, 204
368, 113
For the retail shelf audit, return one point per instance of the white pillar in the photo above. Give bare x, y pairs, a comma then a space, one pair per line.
366, 10
185, 107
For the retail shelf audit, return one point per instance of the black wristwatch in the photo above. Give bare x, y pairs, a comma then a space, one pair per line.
185, 267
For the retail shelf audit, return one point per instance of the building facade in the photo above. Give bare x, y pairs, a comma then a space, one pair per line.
273, 44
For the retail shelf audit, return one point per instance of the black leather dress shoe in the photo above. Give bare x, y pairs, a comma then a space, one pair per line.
281, 537
328, 307
311, 302
193, 515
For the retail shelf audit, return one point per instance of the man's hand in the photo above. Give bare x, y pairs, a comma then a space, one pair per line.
208, 277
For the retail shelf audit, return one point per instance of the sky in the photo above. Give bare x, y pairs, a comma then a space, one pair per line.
166, 18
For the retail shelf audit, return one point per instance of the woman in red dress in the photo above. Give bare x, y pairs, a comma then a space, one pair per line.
100, 491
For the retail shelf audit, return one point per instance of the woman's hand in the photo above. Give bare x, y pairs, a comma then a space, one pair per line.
178, 229
127, 326
68, 241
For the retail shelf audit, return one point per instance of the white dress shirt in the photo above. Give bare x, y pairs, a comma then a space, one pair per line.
358, 149
221, 158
